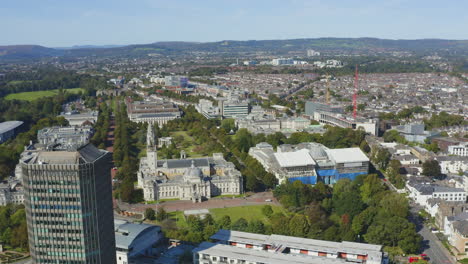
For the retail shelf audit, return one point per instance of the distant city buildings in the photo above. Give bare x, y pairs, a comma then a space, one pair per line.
312, 53
311, 162
176, 81
152, 112
9, 129
68, 200
242, 247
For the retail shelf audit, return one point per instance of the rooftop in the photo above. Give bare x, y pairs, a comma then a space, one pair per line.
9, 125
347, 155
126, 233
257, 256
294, 158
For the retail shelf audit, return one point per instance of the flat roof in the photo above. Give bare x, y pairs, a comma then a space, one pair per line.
344, 155
260, 256
371, 250
294, 158
9, 125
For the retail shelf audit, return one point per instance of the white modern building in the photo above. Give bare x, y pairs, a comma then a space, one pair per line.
311, 162
371, 126
242, 247
422, 192
459, 150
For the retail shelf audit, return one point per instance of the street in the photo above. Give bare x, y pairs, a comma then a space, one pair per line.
434, 249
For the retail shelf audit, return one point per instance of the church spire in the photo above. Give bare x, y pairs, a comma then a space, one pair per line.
150, 139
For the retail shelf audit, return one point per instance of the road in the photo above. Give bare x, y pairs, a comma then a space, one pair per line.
432, 246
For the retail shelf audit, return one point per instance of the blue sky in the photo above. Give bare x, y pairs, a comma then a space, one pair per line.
59, 23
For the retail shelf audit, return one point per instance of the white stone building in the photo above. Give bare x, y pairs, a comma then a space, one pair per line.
452, 164
186, 179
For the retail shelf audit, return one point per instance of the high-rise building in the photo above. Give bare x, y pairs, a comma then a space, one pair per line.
68, 200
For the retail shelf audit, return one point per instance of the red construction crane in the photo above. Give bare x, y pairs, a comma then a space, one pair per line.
355, 93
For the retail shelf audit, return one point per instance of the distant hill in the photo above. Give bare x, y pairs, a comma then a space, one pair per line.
362, 45
27, 52
90, 47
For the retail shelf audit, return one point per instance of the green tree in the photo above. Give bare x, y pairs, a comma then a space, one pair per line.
240, 225
267, 210
298, 226
150, 214
225, 222
431, 168
161, 214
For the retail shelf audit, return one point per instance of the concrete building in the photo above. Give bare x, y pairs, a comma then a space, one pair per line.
282, 61
415, 132
68, 200
233, 108
371, 126
311, 162
64, 137
9, 129
152, 112
242, 247
312, 107
135, 240
76, 118
176, 81
186, 179
459, 150
207, 109
11, 191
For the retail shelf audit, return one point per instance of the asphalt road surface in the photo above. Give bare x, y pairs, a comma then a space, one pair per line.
432, 246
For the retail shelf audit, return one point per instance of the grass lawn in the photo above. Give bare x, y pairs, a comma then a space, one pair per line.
31, 96
250, 212
189, 150
177, 216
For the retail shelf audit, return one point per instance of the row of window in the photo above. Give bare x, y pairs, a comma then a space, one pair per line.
61, 223
48, 238
56, 207
32, 182
55, 199
54, 261
60, 215
61, 246
59, 231
61, 254
50, 190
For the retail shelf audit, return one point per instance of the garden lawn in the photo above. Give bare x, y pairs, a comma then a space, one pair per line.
31, 96
250, 212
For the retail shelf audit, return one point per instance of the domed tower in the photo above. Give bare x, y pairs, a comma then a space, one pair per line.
151, 149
